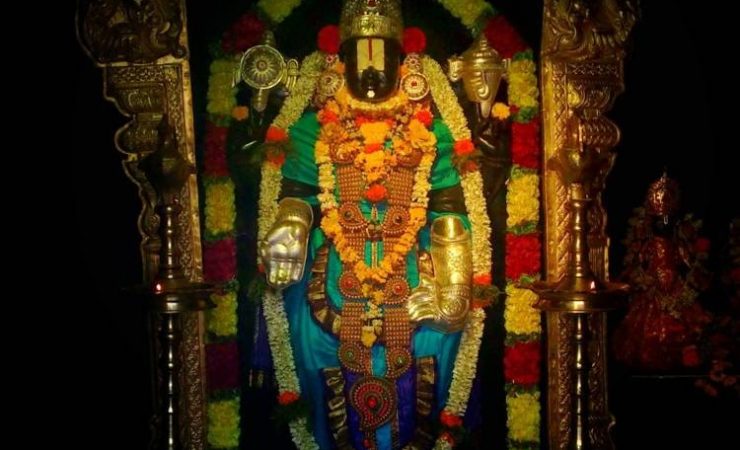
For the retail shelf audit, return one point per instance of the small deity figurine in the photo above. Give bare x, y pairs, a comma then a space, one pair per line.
664, 266
376, 249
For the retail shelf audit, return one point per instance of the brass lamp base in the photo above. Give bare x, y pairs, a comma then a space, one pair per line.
577, 298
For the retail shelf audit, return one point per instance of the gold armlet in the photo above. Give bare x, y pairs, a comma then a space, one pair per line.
451, 252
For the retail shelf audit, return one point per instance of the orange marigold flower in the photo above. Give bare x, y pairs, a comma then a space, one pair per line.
275, 134
464, 147
287, 397
376, 192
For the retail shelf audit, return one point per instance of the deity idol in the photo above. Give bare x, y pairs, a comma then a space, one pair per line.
374, 238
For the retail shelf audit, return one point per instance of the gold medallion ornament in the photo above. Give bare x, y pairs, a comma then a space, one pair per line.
415, 86
329, 84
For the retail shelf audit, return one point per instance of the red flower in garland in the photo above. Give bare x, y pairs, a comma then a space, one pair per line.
523, 255
372, 148
425, 117
525, 144
414, 40
328, 39
287, 397
376, 192
246, 32
503, 37
482, 280
450, 420
219, 260
275, 134
464, 147
214, 156
522, 363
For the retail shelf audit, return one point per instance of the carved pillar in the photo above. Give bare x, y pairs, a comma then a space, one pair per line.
142, 50
583, 48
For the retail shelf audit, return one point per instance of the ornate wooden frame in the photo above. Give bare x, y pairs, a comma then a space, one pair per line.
142, 49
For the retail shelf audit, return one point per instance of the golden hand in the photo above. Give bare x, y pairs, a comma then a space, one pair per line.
442, 299
284, 249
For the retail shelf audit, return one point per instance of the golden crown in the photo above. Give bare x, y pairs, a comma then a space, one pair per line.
371, 18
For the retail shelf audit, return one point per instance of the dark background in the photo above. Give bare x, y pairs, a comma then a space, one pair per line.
679, 112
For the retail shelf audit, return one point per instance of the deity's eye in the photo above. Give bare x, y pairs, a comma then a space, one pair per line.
370, 52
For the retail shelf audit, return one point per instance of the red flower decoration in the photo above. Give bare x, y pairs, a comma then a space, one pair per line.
327, 116
328, 40
450, 420
214, 156
503, 37
275, 134
464, 147
219, 260
246, 32
523, 255
287, 397
702, 245
414, 40
525, 144
522, 363
222, 366
376, 192
424, 116
372, 148
482, 280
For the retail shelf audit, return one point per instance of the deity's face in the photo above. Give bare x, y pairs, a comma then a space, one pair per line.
371, 67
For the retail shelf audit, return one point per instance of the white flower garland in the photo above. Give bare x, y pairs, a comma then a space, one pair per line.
302, 92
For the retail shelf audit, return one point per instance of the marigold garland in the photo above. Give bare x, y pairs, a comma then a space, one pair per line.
523, 243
